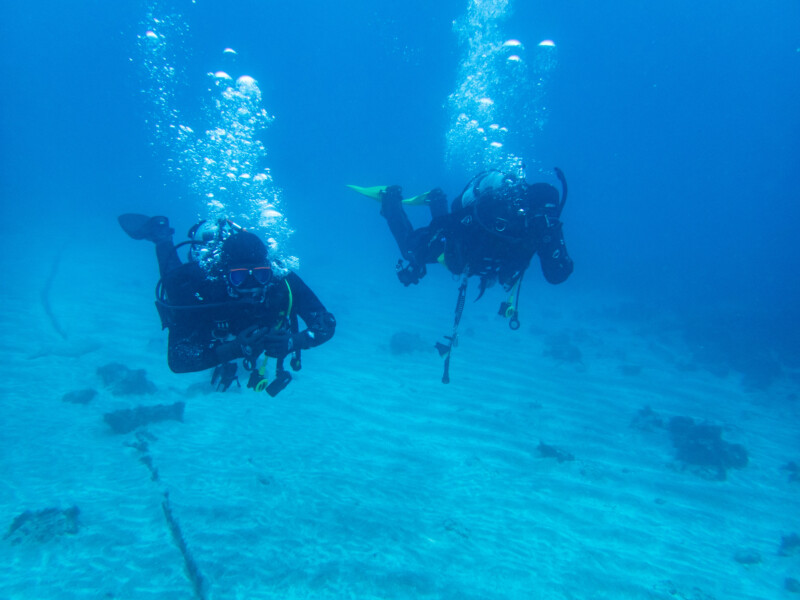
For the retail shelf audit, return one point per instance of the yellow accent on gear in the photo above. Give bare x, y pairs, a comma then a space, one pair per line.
511, 309
291, 299
262, 385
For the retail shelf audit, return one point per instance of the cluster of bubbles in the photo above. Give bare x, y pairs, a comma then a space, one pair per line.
497, 106
224, 163
161, 73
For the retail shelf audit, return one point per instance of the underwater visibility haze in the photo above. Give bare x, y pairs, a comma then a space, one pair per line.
636, 437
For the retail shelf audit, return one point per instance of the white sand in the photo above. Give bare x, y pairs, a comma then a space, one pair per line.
367, 477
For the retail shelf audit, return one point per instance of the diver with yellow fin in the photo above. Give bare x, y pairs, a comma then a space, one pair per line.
492, 231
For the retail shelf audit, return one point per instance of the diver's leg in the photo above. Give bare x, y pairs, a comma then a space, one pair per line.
404, 235
437, 203
167, 255
160, 233
399, 225
426, 244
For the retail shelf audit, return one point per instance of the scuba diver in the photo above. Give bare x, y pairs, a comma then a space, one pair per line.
492, 231
229, 302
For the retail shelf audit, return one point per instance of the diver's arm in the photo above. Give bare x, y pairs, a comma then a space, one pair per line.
556, 262
320, 323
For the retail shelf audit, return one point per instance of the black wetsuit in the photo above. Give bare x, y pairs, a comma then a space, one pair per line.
468, 245
203, 319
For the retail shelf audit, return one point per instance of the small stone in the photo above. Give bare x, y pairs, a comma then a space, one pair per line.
790, 544
630, 370
647, 420
794, 471
747, 556
79, 396
548, 451
403, 342
560, 348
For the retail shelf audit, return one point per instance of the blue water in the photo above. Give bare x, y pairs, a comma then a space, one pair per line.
677, 126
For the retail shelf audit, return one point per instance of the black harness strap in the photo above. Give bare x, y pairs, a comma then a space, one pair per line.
563, 180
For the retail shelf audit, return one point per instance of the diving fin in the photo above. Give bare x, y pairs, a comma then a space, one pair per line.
142, 227
224, 375
420, 200
376, 192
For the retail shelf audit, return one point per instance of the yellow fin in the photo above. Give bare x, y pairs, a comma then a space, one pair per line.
376, 191
420, 200
370, 192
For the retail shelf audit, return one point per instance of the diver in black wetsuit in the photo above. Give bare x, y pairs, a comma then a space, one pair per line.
235, 308
492, 232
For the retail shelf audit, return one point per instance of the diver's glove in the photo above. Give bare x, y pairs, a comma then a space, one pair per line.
411, 273
280, 346
255, 340
321, 327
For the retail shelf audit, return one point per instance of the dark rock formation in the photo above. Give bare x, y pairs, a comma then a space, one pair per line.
698, 447
43, 525
702, 446
123, 381
125, 421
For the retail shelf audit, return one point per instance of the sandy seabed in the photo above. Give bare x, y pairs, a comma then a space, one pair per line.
368, 478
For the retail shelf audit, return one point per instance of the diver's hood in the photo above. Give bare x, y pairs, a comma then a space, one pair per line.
243, 248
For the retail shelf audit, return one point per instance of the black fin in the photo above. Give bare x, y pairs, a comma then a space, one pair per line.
443, 349
142, 227
224, 375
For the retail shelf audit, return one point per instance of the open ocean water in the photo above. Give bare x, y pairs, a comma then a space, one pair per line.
638, 437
